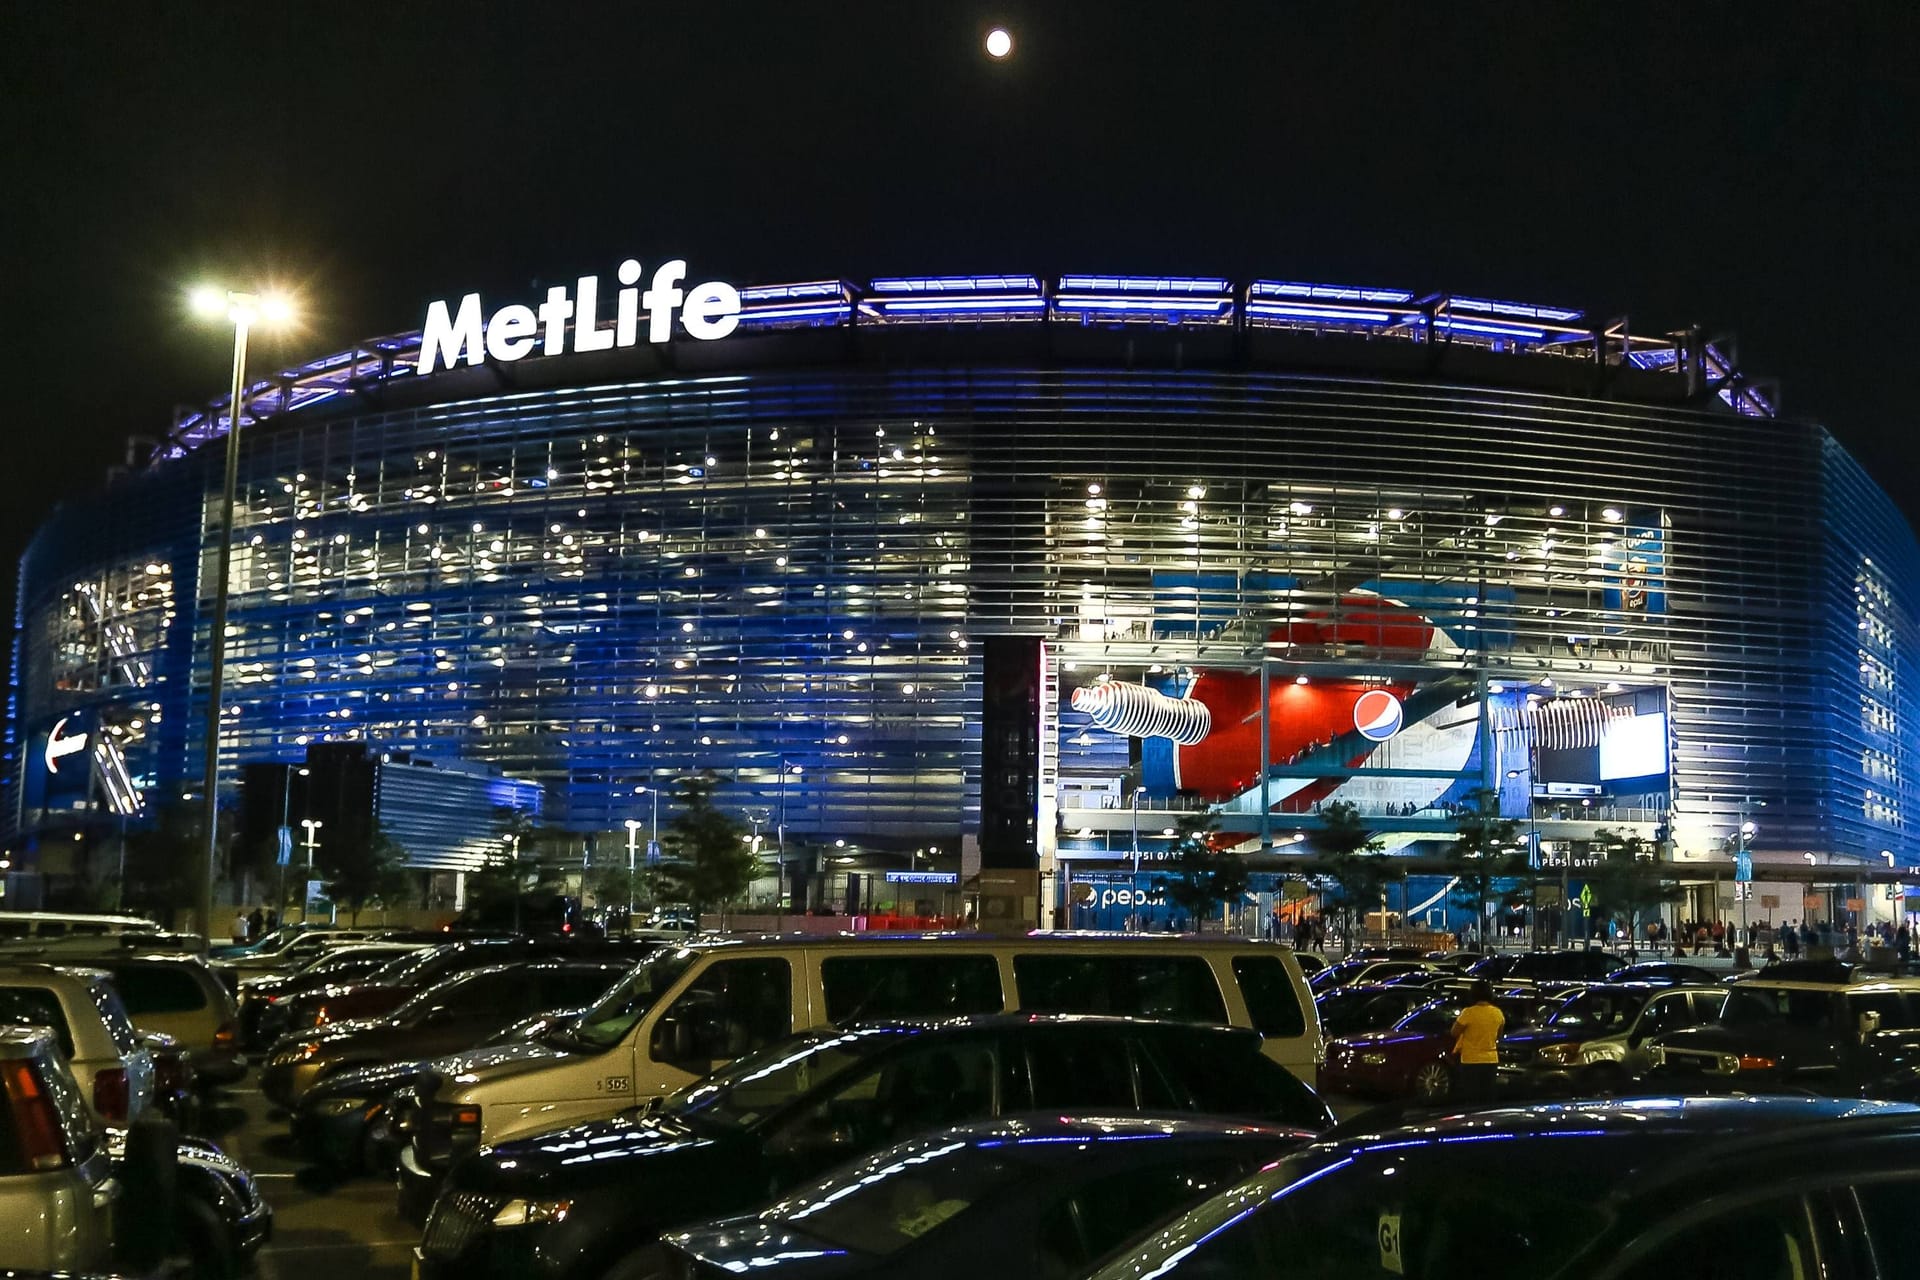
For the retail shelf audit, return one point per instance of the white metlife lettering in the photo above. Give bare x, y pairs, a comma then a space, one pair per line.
454, 336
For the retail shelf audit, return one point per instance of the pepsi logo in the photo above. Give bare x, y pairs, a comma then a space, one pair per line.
1377, 715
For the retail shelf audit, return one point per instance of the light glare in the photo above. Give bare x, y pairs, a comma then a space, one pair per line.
999, 43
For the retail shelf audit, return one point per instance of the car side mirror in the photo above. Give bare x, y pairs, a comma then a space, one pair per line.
672, 1041
1869, 1023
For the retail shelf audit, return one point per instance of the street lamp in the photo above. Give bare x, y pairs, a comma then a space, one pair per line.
311, 843
633, 834
284, 836
242, 310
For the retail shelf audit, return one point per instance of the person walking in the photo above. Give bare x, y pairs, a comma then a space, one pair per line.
256, 921
238, 929
1476, 1047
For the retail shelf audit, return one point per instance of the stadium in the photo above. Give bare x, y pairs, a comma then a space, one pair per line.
1013, 571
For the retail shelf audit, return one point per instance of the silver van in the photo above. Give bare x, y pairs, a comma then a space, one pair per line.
57, 1189
682, 1013
92, 1028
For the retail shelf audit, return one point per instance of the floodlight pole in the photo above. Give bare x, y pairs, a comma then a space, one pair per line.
241, 315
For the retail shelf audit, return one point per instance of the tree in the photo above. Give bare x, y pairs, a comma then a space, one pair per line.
1627, 882
1202, 878
1349, 856
1485, 851
358, 872
709, 860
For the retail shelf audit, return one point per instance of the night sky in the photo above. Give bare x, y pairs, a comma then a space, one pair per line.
1751, 168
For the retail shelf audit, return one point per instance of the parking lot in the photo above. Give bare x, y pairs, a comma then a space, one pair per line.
322, 1229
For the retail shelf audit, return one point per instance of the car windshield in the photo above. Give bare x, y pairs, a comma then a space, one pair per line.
607, 1023
1597, 1013
886, 1202
415, 967
763, 1082
1431, 1018
1337, 975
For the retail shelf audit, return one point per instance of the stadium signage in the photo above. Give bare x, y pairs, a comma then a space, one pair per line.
61, 744
453, 335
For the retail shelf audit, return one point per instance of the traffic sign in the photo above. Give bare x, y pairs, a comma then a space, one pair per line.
1586, 897
1742, 867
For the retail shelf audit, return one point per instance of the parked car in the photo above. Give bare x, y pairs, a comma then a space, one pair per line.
44, 926
1349, 972
1025, 1196
1835, 1038
1665, 971
1549, 966
1598, 1040
344, 1122
783, 1116
180, 996
1413, 1058
57, 1183
266, 1002
267, 943
456, 1014
684, 1012
220, 1219
1588, 1191
302, 950
92, 1028
1366, 1006
387, 988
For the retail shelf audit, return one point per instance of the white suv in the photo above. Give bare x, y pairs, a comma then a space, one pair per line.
56, 1177
91, 1026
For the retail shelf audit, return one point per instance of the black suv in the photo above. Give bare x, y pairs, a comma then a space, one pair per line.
571, 1203
1829, 1038
1549, 966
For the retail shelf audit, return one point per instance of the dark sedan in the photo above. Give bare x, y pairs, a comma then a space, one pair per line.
457, 1014
1414, 1057
1026, 1196
266, 1002
1367, 1006
1575, 1191
389, 988
571, 1203
345, 1122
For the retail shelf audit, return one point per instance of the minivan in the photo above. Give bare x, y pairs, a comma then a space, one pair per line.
682, 1013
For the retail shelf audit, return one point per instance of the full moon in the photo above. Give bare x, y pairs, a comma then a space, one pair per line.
999, 43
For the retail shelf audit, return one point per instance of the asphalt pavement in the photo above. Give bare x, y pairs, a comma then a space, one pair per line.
323, 1229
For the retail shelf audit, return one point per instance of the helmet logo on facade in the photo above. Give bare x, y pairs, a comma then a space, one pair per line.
1377, 715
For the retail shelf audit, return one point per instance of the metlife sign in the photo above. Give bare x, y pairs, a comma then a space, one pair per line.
466, 335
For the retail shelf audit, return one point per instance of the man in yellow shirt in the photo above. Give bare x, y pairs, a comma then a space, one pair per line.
1476, 1044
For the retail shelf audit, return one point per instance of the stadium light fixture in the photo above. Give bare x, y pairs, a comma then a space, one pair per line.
242, 310
999, 43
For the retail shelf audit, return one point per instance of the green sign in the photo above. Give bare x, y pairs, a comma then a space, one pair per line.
1586, 897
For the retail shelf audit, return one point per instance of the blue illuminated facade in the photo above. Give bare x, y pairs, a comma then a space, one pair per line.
1596, 573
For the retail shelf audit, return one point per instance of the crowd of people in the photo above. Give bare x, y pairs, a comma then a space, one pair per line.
250, 925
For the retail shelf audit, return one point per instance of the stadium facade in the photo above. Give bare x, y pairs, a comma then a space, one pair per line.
1445, 543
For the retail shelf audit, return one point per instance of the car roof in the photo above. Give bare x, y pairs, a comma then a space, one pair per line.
994, 1021
1038, 937
1051, 1126
1682, 1116
1871, 984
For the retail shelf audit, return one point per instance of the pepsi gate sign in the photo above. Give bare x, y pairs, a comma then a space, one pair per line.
1378, 715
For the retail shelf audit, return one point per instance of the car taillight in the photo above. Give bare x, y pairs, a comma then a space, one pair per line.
466, 1117
1753, 1062
226, 1037
36, 1125
320, 1016
111, 1096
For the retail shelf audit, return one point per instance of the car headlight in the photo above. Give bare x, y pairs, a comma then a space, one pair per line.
337, 1106
1373, 1059
294, 1053
531, 1213
1656, 1056
1560, 1055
